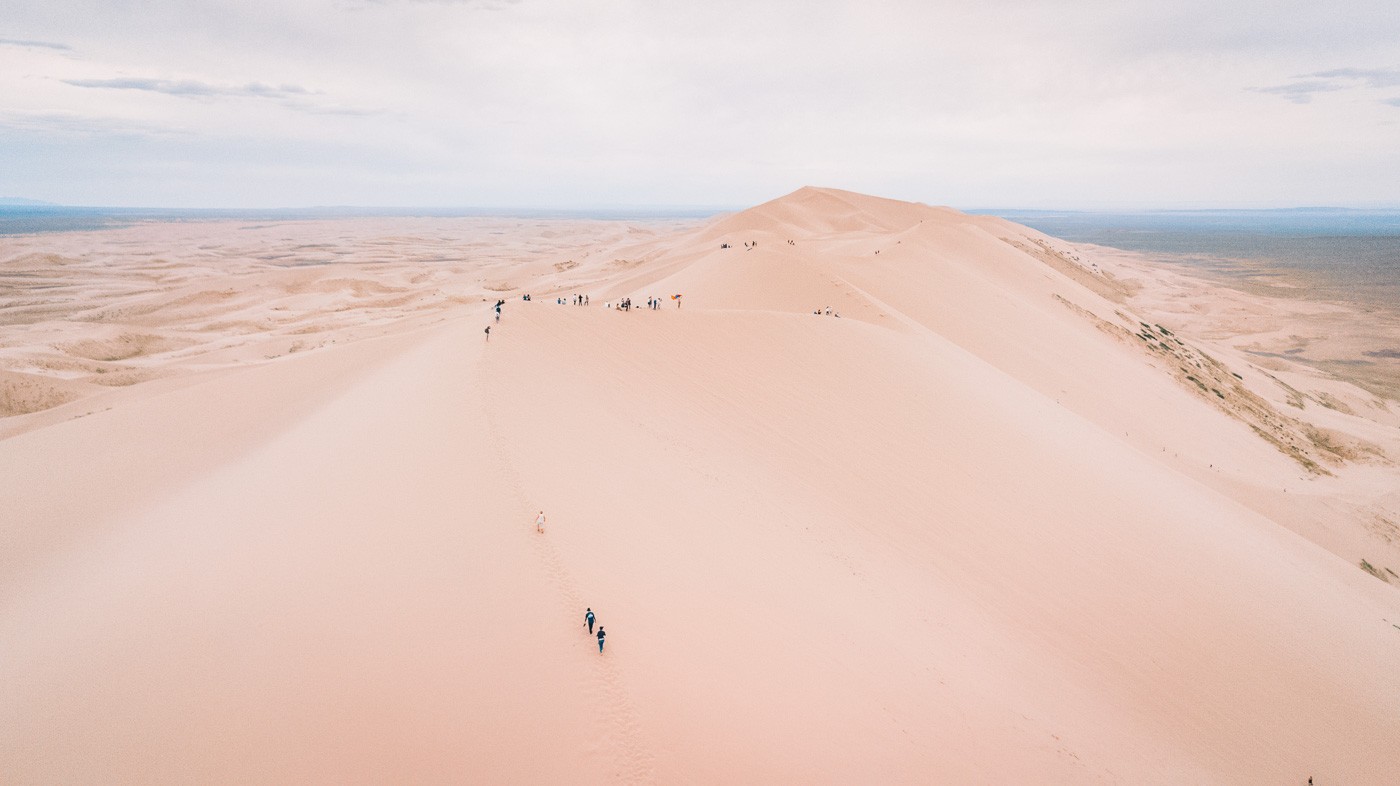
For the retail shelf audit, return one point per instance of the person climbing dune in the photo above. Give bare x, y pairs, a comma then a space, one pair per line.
589, 617
539, 522
601, 635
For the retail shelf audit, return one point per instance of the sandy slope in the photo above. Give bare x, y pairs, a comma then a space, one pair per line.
974, 530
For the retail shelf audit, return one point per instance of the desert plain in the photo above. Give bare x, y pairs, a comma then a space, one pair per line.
881, 493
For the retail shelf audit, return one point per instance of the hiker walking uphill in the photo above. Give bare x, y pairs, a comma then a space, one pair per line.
601, 635
589, 617
539, 522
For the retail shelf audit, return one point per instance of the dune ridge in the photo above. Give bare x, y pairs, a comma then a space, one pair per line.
992, 523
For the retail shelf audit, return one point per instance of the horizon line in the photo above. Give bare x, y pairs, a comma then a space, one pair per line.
708, 209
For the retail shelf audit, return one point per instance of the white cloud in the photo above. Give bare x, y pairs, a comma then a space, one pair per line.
192, 88
1301, 92
33, 44
1302, 89
1370, 77
556, 102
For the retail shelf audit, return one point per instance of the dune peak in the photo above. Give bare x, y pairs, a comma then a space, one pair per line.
812, 211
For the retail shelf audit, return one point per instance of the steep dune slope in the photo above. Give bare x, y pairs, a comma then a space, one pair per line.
898, 545
1030, 307
910, 544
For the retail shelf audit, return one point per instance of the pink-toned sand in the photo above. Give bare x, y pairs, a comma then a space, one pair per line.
993, 524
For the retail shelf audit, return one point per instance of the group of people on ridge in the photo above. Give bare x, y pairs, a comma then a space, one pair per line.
653, 303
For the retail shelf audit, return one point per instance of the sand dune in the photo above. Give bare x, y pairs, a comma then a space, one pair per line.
85, 311
993, 524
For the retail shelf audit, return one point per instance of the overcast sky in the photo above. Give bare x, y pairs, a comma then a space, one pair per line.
557, 103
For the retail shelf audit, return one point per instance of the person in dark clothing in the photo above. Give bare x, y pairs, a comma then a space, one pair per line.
601, 634
488, 332
589, 617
